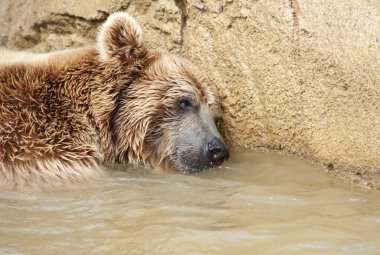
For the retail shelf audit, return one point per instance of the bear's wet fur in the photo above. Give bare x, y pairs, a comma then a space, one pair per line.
64, 114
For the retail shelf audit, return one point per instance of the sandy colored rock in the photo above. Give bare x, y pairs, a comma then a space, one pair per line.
298, 76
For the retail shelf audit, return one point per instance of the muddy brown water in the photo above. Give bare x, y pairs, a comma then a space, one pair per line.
257, 203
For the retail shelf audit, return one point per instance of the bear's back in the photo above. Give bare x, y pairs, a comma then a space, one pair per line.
38, 127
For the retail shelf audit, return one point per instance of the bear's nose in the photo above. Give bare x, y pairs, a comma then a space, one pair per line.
217, 151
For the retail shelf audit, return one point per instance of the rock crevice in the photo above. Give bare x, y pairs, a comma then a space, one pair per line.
182, 4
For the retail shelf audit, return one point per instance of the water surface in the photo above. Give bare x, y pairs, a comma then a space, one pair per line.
257, 203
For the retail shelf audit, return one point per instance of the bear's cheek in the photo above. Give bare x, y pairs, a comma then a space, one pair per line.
188, 163
190, 156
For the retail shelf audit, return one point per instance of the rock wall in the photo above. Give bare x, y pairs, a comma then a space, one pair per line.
300, 76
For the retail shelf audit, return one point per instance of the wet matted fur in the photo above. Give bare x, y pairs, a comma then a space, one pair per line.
66, 113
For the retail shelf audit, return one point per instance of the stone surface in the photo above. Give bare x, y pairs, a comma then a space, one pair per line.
300, 76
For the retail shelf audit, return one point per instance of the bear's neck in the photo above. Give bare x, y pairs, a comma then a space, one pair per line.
90, 88
75, 76
93, 89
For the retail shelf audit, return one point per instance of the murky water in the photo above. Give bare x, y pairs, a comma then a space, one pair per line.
258, 203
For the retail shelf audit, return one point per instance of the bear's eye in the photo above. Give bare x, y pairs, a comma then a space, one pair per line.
218, 121
184, 104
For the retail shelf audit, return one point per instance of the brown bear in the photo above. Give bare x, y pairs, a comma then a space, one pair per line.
64, 114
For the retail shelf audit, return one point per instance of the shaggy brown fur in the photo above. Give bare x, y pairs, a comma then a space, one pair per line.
64, 114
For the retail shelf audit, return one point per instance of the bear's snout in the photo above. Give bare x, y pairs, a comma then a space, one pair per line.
217, 151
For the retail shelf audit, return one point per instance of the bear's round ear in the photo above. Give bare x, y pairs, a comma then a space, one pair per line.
120, 37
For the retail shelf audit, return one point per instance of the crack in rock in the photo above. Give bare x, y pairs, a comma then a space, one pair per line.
296, 24
181, 4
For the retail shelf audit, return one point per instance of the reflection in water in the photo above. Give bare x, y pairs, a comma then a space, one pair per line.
258, 203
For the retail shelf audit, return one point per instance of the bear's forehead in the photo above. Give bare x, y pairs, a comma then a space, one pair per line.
183, 75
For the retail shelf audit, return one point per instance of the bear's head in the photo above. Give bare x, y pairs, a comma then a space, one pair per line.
166, 113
